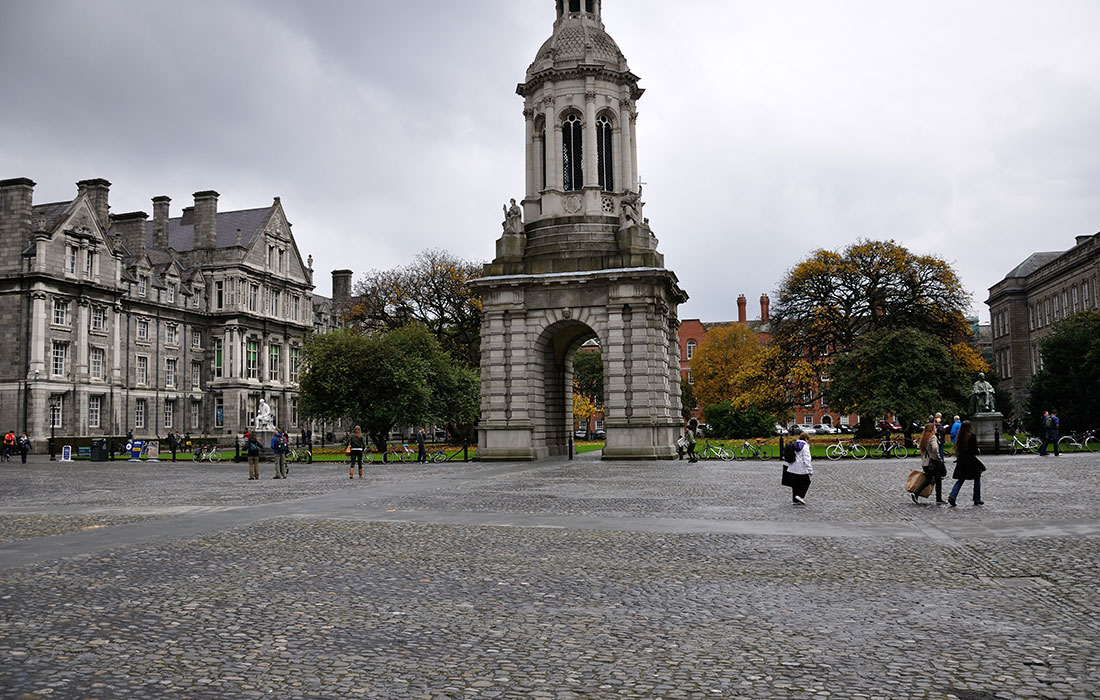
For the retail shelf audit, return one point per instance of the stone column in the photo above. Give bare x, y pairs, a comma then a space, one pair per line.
116, 361
554, 156
591, 151
81, 339
532, 153
633, 151
626, 168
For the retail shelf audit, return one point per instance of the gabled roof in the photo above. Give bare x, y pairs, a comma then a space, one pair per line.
181, 230
50, 213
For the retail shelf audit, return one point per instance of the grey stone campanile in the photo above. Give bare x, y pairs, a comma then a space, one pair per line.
577, 261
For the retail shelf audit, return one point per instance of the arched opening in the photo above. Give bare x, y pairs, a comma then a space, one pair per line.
605, 153
572, 145
557, 347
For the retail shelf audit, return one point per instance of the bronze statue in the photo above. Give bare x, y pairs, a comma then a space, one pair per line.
981, 396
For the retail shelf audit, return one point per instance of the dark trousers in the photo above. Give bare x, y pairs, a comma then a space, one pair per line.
1049, 438
421, 453
928, 479
800, 484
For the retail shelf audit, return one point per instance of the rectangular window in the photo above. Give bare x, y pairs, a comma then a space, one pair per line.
691, 377
294, 413
57, 364
196, 339
219, 294
219, 411
271, 256
218, 358
196, 375
93, 411
1031, 318
1057, 307
60, 312
294, 301
274, 404
143, 285
170, 293
89, 264
96, 361
253, 296
139, 413
99, 318
73, 252
169, 413
252, 360
282, 260
275, 298
196, 407
142, 329
1046, 309
1065, 303
295, 359
1076, 301
170, 371
273, 363
807, 419
57, 410
1085, 294
142, 370
170, 331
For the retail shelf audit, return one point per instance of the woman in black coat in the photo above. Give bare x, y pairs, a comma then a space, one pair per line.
967, 466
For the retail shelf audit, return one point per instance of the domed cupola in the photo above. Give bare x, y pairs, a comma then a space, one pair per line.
579, 39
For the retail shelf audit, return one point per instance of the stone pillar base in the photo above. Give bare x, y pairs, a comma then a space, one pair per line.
985, 426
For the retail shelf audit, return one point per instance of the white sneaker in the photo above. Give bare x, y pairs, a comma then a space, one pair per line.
799, 499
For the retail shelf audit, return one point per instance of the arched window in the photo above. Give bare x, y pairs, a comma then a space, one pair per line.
604, 151
690, 349
572, 144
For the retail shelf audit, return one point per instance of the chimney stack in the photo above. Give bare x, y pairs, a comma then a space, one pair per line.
206, 219
16, 201
1083, 239
341, 288
765, 305
160, 222
742, 302
97, 191
131, 229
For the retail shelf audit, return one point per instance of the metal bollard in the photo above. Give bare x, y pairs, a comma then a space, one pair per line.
996, 441
571, 448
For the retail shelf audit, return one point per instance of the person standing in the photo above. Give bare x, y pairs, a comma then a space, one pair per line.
173, 443
357, 444
800, 470
1050, 432
941, 433
967, 466
689, 439
9, 445
252, 449
421, 448
279, 447
934, 468
955, 427
24, 446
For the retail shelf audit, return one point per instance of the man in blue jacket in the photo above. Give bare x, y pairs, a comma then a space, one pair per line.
1050, 433
279, 446
955, 428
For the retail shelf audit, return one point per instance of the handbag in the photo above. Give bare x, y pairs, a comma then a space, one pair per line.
912, 483
787, 479
347, 450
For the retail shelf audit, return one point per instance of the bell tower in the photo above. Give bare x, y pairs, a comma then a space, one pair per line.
576, 261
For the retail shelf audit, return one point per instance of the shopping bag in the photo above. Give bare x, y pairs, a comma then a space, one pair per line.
787, 479
913, 483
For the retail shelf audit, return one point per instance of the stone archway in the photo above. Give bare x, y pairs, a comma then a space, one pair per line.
555, 350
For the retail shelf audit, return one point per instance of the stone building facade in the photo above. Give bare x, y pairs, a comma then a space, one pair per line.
1023, 307
120, 323
576, 261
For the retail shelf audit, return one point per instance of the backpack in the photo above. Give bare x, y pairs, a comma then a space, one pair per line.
281, 445
790, 452
1048, 422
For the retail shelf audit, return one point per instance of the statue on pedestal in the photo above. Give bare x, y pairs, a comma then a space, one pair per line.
981, 395
513, 218
264, 420
631, 206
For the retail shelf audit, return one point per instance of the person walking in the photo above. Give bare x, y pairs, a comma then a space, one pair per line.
358, 444
967, 465
9, 445
173, 443
934, 468
421, 448
1051, 424
955, 433
689, 439
24, 446
252, 449
279, 447
800, 470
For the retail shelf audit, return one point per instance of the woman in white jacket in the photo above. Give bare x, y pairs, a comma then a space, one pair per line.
800, 470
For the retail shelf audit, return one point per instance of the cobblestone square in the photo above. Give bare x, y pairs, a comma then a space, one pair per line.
551, 580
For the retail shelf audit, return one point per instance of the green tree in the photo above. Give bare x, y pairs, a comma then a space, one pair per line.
430, 291
688, 401
1070, 377
588, 375
905, 371
725, 421
380, 380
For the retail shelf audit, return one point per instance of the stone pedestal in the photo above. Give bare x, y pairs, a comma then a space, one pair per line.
986, 425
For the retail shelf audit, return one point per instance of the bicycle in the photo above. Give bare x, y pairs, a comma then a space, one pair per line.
206, 452
1080, 441
440, 455
1029, 444
747, 450
299, 454
844, 448
404, 454
710, 451
888, 447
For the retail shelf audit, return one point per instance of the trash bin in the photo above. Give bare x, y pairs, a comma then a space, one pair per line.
99, 450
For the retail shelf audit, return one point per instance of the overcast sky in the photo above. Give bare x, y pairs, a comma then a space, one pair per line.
965, 128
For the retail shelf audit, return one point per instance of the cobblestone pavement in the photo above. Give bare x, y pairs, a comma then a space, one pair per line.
556, 580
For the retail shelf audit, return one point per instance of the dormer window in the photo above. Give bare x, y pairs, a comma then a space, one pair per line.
143, 285
170, 293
